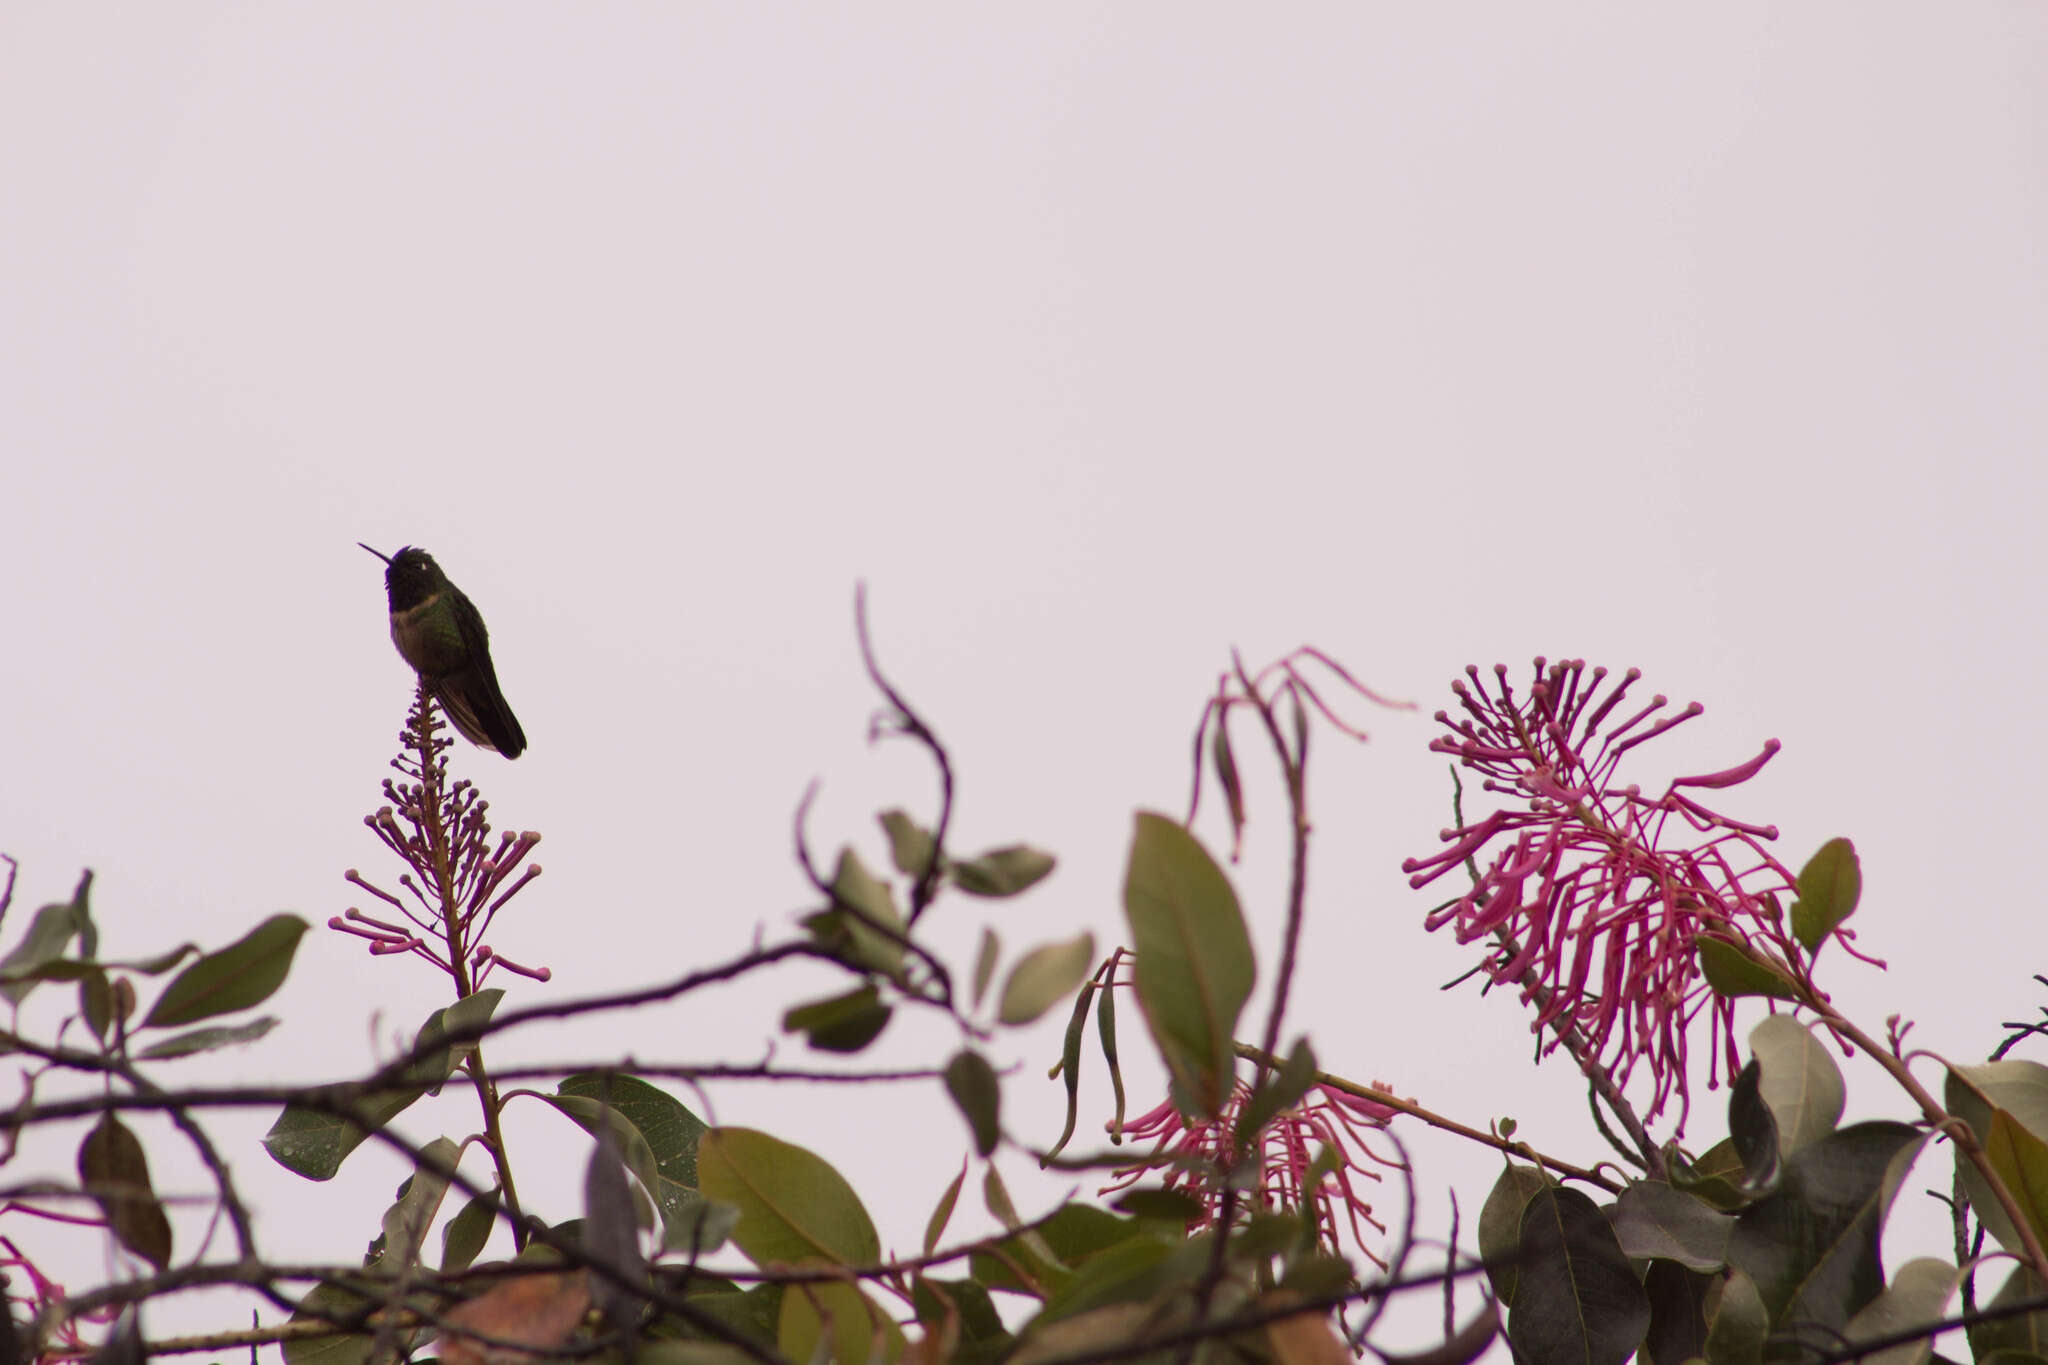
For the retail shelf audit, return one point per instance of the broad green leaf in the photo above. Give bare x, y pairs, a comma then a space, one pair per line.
1754, 1131
985, 964
910, 844
325, 1303
667, 1126
978, 1323
1829, 886
2021, 1160
1678, 1313
942, 1212
841, 1023
836, 1322
242, 974
1043, 977
1576, 1299
1976, 1094
1800, 1081
1106, 1330
1651, 1219
1737, 1322
49, 933
1500, 1225
794, 1208
419, 1199
1281, 1092
611, 1231
96, 1002
1132, 1269
864, 944
1194, 959
1918, 1295
1734, 971
1002, 871
972, 1083
313, 1142
1163, 1205
1716, 1177
2021, 1333
702, 1227
600, 1120
463, 1236
113, 1169
1812, 1245
207, 1039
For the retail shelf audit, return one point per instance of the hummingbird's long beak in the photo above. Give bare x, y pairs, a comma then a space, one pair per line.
379, 553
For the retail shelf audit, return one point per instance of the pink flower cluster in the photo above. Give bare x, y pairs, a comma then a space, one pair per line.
1596, 895
455, 880
1327, 1119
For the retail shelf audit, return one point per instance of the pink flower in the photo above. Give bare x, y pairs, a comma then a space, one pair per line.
1596, 895
1327, 1120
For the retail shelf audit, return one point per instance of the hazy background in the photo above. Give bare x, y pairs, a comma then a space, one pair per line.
1097, 340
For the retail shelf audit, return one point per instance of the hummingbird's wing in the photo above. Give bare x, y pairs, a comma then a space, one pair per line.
470, 696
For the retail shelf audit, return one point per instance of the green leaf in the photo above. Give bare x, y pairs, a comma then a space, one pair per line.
1194, 959
1169, 1206
668, 1127
972, 1083
1918, 1295
841, 1023
463, 1237
1282, 1093
1500, 1225
2022, 1332
207, 1039
96, 1002
611, 1231
1678, 1312
702, 1227
1576, 1298
2021, 1160
862, 944
1754, 1131
942, 1213
794, 1208
1737, 1322
326, 1303
1829, 886
1716, 1177
910, 844
412, 1213
49, 933
985, 964
1800, 1081
242, 974
313, 1142
1651, 1219
1043, 977
1734, 971
1002, 871
113, 1169
1133, 1269
1977, 1094
1812, 1245
860, 1333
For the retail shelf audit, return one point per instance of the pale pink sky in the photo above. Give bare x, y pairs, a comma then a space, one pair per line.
1098, 340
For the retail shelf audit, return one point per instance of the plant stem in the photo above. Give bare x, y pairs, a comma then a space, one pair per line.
432, 770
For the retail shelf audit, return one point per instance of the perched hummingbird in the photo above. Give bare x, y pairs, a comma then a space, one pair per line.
440, 633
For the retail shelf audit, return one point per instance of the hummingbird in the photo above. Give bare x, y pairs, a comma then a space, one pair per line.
440, 633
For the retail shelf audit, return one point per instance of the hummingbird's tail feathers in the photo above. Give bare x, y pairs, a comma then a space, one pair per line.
477, 710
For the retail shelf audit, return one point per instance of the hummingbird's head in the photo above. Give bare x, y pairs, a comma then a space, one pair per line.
410, 576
